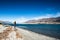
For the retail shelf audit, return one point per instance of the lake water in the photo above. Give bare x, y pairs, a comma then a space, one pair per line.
52, 30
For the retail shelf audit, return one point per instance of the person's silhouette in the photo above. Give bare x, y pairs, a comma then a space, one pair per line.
14, 25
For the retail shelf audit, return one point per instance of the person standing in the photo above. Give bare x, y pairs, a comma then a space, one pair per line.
14, 25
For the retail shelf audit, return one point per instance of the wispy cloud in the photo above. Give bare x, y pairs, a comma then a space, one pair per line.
47, 16
57, 15
44, 16
24, 19
21, 19
12, 19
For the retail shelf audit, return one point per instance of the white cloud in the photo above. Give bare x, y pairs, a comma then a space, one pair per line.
58, 14
47, 16
12, 19
24, 19
21, 20
44, 16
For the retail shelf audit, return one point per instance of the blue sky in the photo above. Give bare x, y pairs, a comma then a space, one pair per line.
23, 10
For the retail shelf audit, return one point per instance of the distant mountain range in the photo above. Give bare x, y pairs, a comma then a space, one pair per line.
5, 22
55, 20
45, 20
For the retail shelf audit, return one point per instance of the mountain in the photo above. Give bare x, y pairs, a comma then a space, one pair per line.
45, 20
5, 22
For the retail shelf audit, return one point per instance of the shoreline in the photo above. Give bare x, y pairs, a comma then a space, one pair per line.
34, 36
40, 23
8, 33
29, 35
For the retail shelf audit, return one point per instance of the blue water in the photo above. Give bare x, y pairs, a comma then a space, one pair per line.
52, 30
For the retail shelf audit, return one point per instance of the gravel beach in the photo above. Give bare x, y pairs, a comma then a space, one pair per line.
8, 33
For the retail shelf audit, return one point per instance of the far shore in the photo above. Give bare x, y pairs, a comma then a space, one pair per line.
41, 23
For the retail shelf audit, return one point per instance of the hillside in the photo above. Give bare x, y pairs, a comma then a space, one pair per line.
5, 22
46, 20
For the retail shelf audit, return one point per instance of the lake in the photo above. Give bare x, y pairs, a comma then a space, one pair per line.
52, 30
